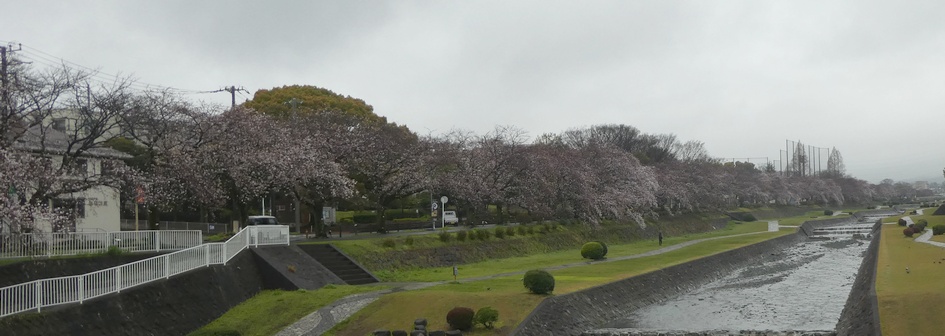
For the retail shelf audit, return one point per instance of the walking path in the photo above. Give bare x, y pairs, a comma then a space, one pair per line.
327, 317
924, 238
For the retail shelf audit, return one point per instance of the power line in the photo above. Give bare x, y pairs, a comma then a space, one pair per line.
96, 75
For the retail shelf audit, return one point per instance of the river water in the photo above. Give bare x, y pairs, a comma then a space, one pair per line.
805, 289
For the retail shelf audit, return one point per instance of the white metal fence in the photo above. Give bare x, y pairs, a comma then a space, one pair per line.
37, 294
76, 243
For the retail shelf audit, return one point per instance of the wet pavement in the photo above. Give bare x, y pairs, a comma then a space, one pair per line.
805, 289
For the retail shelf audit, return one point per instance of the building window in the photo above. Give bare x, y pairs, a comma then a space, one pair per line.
59, 124
73, 208
81, 168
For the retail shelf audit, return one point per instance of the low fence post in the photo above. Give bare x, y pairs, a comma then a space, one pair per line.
167, 267
39, 296
81, 289
157, 241
118, 279
206, 252
225, 259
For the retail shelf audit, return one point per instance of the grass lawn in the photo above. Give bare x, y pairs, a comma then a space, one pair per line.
910, 303
272, 310
499, 266
509, 297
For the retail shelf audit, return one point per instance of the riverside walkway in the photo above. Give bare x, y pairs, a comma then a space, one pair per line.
327, 317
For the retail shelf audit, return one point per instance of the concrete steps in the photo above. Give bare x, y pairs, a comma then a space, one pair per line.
339, 264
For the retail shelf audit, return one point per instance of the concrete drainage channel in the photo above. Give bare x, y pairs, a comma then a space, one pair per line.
792, 285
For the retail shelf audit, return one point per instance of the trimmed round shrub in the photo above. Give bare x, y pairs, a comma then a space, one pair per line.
460, 318
938, 229
487, 317
510, 231
592, 250
389, 243
500, 233
445, 237
539, 281
908, 232
461, 235
828, 212
483, 234
530, 229
604, 245
902, 222
408, 241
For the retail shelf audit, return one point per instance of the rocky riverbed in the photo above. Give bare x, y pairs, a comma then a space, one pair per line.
804, 289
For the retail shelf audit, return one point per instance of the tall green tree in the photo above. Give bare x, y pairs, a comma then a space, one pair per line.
306, 99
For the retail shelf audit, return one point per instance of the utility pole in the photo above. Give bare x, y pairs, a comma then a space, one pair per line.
232, 90
5, 76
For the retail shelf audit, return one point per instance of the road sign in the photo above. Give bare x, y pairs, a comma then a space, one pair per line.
444, 199
434, 206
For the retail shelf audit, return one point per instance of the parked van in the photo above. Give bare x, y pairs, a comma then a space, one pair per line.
449, 217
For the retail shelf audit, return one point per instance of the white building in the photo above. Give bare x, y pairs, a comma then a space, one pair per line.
96, 207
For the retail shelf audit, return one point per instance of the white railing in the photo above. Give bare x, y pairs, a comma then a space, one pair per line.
62, 244
37, 294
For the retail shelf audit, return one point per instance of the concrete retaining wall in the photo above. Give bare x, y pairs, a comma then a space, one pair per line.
176, 306
572, 314
860, 316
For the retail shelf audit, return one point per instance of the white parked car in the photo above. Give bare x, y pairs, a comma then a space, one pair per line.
449, 217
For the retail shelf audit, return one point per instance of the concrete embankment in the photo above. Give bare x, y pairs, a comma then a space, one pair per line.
575, 313
861, 314
176, 306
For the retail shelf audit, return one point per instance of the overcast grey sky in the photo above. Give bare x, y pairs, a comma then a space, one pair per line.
866, 77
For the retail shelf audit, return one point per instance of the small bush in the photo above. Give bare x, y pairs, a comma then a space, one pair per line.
218, 332
445, 237
389, 243
114, 251
483, 234
539, 281
908, 232
408, 241
604, 245
828, 212
510, 231
592, 250
522, 230
460, 318
500, 233
461, 235
487, 317
743, 216
938, 229
902, 222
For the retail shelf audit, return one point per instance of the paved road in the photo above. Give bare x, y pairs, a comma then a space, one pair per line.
327, 317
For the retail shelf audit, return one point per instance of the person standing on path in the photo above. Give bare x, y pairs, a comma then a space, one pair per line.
661, 237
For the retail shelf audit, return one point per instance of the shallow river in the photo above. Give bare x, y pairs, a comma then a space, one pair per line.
806, 289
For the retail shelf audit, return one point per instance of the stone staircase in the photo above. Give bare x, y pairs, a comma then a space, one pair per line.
339, 263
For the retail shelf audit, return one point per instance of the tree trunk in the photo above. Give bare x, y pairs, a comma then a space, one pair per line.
381, 220
499, 213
